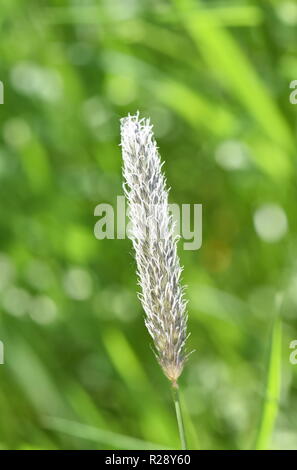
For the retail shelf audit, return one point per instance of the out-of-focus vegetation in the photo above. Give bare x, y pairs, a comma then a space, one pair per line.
214, 78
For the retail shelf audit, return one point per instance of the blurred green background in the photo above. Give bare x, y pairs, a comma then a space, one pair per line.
214, 78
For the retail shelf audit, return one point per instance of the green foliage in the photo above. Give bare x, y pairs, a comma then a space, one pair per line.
214, 78
273, 386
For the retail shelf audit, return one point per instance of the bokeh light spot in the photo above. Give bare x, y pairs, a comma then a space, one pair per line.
270, 222
16, 301
232, 155
43, 310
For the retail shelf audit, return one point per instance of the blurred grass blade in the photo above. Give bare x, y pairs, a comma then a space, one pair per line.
73, 14
34, 378
192, 434
234, 15
91, 433
226, 15
272, 392
123, 358
155, 420
188, 103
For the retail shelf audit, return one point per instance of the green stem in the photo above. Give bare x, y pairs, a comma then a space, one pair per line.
179, 417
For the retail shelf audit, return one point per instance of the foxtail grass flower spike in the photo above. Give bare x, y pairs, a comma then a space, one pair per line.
155, 245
